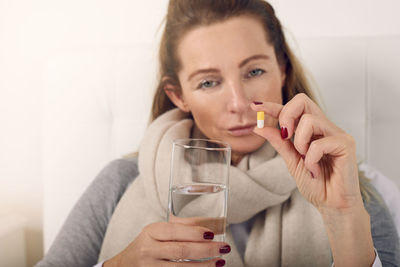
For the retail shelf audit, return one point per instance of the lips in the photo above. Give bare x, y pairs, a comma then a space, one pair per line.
242, 129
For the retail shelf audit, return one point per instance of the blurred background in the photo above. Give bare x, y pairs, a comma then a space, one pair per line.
77, 78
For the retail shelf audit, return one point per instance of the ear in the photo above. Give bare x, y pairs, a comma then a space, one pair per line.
174, 94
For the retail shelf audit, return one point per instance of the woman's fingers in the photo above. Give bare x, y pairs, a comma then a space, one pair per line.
188, 250
215, 224
300, 116
164, 231
289, 114
174, 241
311, 127
162, 241
314, 135
332, 146
299, 105
284, 147
211, 263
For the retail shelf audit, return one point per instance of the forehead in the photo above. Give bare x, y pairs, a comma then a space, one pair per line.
230, 40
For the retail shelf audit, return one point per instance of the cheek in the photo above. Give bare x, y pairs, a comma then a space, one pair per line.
270, 95
207, 115
266, 88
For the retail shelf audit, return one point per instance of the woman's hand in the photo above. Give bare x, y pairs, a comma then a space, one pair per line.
162, 241
322, 160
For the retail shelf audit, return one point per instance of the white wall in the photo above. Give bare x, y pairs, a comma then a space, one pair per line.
47, 48
21, 120
313, 18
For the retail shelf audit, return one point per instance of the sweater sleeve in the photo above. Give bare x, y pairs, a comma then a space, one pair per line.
384, 233
79, 241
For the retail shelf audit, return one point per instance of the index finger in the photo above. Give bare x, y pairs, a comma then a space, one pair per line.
215, 224
166, 231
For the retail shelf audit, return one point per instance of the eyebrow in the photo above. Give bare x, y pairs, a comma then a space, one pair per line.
211, 70
247, 60
241, 64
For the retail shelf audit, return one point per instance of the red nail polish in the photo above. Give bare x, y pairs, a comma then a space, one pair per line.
257, 103
220, 263
225, 249
208, 235
284, 133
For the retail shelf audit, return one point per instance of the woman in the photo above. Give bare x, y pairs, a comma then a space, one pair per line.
295, 196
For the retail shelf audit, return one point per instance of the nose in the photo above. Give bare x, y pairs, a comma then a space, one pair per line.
237, 100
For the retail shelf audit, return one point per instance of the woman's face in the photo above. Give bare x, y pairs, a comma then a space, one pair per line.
224, 68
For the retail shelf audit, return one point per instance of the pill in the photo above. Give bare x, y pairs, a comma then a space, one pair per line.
260, 119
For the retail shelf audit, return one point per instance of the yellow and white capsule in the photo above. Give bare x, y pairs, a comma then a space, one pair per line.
260, 119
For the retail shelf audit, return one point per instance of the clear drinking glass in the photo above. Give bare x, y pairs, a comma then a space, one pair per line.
198, 185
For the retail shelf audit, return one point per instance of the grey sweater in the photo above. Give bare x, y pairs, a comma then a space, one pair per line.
79, 241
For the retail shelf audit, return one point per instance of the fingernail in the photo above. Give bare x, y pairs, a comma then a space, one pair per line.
303, 156
208, 235
225, 249
284, 133
312, 175
220, 263
257, 103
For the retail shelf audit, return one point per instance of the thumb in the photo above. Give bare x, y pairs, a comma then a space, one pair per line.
284, 147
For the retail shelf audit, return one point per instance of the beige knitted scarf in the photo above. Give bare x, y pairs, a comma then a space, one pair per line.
289, 233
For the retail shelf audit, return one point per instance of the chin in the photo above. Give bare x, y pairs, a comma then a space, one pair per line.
245, 144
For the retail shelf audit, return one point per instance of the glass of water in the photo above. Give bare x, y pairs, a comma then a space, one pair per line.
198, 185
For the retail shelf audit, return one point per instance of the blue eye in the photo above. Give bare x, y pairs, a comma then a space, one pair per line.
255, 72
207, 84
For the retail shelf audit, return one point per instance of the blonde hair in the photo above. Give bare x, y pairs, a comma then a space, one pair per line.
185, 15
